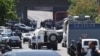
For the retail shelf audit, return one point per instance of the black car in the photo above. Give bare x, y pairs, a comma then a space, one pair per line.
59, 24
22, 27
15, 41
26, 37
5, 48
47, 23
33, 24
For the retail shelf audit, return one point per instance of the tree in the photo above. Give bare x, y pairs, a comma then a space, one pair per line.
83, 7
7, 10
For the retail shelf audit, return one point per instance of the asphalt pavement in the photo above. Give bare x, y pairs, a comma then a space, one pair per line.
41, 16
61, 50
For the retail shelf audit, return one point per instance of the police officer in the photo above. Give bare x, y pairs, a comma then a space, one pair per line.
79, 48
5, 47
92, 49
73, 48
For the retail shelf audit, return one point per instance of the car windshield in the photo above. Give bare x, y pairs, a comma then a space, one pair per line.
22, 25
7, 30
15, 38
6, 35
1, 30
86, 42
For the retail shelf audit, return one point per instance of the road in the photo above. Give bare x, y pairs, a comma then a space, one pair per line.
61, 50
41, 16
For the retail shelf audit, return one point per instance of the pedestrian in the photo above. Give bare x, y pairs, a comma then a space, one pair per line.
92, 51
72, 48
5, 47
79, 48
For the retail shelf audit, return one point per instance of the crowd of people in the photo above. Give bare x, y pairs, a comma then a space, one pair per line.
76, 49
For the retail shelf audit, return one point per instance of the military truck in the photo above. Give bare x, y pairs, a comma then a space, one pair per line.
80, 29
44, 37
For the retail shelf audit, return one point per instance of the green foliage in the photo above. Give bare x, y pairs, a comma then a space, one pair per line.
97, 19
7, 10
83, 7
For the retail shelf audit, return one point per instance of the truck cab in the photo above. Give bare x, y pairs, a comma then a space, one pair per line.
86, 41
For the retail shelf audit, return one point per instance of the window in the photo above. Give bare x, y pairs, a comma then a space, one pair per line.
86, 42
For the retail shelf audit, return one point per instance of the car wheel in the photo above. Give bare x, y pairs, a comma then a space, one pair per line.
54, 46
20, 46
53, 38
33, 46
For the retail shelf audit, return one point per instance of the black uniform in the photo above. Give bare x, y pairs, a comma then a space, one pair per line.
79, 48
94, 52
5, 48
72, 50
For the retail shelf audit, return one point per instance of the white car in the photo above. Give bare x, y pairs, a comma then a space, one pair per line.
26, 37
5, 37
86, 41
30, 52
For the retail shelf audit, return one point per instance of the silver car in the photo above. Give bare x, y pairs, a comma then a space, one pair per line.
30, 52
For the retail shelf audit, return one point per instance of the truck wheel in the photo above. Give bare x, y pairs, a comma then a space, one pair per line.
54, 46
29, 44
38, 46
48, 46
33, 46
53, 38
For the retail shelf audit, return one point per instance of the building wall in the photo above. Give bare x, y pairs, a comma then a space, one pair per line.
23, 5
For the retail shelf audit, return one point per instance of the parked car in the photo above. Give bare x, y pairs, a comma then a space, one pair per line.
48, 23
4, 48
59, 24
15, 41
33, 24
1, 30
22, 27
26, 36
31, 53
11, 23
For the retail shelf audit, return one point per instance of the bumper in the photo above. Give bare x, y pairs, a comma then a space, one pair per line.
17, 44
25, 39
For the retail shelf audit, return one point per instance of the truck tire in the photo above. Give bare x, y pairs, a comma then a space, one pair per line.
33, 45
53, 38
54, 46
48, 46
38, 47
29, 44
